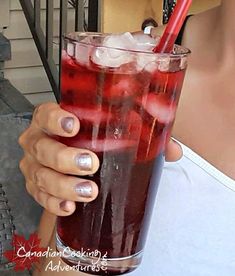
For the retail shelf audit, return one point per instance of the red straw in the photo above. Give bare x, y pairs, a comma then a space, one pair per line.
173, 27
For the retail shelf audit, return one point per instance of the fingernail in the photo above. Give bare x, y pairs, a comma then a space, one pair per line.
84, 161
84, 189
67, 124
64, 206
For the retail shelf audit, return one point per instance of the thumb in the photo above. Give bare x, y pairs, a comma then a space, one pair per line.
173, 151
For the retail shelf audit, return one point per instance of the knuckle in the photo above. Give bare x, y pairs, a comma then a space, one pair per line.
39, 177
22, 138
28, 187
22, 164
43, 111
37, 148
37, 112
59, 159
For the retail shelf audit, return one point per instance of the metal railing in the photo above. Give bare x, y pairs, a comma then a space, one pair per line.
168, 7
44, 37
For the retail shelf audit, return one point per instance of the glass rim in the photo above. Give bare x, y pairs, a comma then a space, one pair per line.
185, 51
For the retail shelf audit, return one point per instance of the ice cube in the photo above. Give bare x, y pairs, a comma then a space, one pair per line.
113, 57
147, 62
110, 55
94, 115
121, 41
71, 49
105, 145
83, 51
145, 42
160, 107
164, 64
121, 86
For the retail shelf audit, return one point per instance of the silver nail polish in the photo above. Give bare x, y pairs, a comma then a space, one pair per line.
84, 161
84, 189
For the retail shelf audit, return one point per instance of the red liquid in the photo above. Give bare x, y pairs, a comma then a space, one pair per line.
126, 120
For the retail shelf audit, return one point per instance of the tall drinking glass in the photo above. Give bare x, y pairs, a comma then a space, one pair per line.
126, 102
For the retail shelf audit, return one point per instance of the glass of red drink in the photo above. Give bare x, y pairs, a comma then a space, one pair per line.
126, 101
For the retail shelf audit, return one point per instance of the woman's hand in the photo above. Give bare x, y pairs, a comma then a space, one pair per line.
51, 168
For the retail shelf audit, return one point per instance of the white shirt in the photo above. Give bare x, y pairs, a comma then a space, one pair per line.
192, 231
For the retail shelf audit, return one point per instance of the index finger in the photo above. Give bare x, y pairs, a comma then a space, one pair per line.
52, 119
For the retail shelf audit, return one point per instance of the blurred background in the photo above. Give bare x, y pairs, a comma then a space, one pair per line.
25, 70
